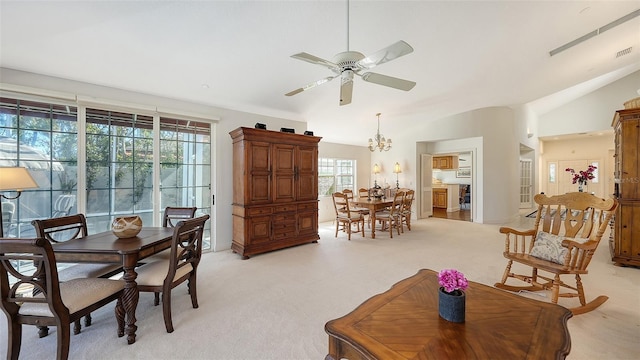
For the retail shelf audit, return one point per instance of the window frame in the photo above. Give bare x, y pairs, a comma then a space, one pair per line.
336, 164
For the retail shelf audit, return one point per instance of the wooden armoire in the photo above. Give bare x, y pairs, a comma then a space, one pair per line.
275, 190
625, 244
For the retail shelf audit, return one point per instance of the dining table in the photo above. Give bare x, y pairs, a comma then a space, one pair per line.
105, 247
373, 204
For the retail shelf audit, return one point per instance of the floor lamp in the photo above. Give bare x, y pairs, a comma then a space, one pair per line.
14, 179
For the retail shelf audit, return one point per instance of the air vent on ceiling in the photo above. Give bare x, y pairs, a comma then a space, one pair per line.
595, 32
624, 52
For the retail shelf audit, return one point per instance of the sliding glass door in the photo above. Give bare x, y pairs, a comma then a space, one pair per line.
119, 162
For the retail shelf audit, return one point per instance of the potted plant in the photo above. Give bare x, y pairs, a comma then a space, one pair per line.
451, 296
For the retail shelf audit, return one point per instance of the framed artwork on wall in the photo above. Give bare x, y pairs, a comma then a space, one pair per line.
463, 172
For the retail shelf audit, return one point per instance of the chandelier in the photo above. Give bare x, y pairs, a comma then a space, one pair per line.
380, 142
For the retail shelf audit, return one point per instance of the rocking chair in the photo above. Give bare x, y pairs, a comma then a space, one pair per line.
567, 231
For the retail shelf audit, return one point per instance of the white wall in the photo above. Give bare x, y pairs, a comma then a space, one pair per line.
592, 112
490, 133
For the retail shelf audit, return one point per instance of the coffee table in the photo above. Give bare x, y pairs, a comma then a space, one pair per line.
403, 323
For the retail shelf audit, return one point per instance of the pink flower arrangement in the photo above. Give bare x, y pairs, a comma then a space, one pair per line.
452, 281
582, 177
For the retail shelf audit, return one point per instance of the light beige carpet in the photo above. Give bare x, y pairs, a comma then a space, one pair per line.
275, 305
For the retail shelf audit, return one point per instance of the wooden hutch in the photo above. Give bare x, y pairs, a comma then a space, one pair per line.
625, 242
275, 190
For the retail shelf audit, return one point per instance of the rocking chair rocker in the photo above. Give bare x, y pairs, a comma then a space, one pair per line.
567, 231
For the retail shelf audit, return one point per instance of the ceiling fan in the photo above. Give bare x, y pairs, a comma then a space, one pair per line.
348, 64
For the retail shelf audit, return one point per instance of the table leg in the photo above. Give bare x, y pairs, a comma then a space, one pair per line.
130, 298
372, 214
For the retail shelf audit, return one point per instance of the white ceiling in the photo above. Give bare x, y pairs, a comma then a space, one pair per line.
236, 54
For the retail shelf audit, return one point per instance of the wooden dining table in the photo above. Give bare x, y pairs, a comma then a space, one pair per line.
105, 247
373, 205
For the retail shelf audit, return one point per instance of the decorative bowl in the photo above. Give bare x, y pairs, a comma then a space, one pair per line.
126, 226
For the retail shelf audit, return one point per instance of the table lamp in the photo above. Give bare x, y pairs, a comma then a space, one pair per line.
396, 170
14, 179
376, 171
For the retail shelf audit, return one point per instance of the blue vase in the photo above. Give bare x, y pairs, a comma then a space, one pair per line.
451, 307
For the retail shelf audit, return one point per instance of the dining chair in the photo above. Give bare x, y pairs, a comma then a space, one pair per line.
405, 213
62, 229
364, 211
390, 217
172, 215
182, 265
345, 216
55, 303
362, 192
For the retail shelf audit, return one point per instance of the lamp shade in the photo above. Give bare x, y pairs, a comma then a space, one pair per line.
16, 179
396, 168
376, 169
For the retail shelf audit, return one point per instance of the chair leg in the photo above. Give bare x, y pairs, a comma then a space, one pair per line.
15, 339
156, 298
555, 289
87, 320
166, 310
580, 289
191, 285
120, 317
337, 225
77, 327
64, 337
43, 331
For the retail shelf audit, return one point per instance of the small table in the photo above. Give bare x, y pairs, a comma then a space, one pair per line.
403, 323
373, 205
105, 247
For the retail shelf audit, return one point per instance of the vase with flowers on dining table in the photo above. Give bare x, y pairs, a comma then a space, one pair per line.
451, 295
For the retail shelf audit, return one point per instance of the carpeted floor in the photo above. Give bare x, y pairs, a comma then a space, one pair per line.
275, 305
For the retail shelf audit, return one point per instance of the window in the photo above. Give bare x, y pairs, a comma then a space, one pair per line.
41, 137
335, 175
118, 169
552, 172
596, 172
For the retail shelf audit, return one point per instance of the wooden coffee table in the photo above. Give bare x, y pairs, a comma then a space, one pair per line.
403, 323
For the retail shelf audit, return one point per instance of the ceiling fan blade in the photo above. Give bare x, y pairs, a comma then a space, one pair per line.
316, 60
389, 81
387, 54
310, 86
346, 88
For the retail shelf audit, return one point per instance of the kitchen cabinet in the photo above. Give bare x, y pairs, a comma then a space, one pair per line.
445, 162
275, 190
440, 198
446, 196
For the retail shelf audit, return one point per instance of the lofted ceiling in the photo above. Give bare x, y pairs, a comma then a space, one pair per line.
237, 54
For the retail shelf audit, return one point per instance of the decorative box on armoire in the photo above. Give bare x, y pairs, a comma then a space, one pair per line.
625, 245
275, 190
